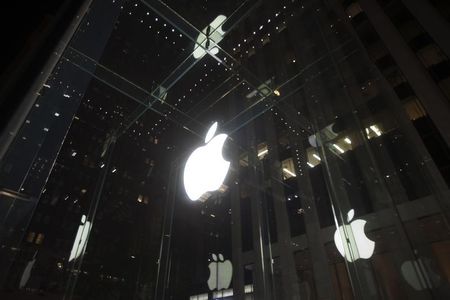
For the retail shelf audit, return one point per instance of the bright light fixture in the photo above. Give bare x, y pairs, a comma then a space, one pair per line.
210, 36
376, 130
317, 157
263, 152
310, 164
289, 172
338, 148
347, 140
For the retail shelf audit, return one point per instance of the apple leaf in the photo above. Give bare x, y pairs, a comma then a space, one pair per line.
211, 132
350, 215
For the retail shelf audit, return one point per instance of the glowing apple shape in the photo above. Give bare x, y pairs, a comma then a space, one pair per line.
205, 169
210, 36
361, 247
220, 273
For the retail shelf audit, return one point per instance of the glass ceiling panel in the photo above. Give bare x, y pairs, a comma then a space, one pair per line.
182, 71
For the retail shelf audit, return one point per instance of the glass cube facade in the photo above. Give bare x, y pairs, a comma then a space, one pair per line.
323, 179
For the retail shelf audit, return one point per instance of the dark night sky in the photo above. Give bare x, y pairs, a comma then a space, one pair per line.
20, 21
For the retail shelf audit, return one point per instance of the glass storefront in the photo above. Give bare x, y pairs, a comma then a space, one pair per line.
329, 191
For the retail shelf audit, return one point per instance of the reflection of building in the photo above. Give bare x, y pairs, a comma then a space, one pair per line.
408, 43
351, 148
324, 118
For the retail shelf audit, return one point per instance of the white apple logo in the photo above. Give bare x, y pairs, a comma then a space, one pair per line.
361, 246
220, 273
80, 242
205, 169
213, 32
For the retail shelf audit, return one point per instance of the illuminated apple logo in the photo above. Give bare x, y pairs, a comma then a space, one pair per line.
361, 246
220, 273
205, 169
80, 242
210, 36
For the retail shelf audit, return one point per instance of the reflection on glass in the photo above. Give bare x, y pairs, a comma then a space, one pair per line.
351, 240
80, 242
220, 273
210, 36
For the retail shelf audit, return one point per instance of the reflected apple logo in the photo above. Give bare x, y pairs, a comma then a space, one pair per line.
80, 242
27, 271
210, 36
205, 169
361, 246
220, 273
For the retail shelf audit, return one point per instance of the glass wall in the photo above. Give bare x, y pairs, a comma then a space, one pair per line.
314, 185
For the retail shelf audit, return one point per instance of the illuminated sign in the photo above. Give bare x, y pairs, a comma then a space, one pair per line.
359, 246
205, 169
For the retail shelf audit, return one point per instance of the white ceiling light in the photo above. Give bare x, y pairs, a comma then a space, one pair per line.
289, 172
338, 148
376, 130
263, 152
